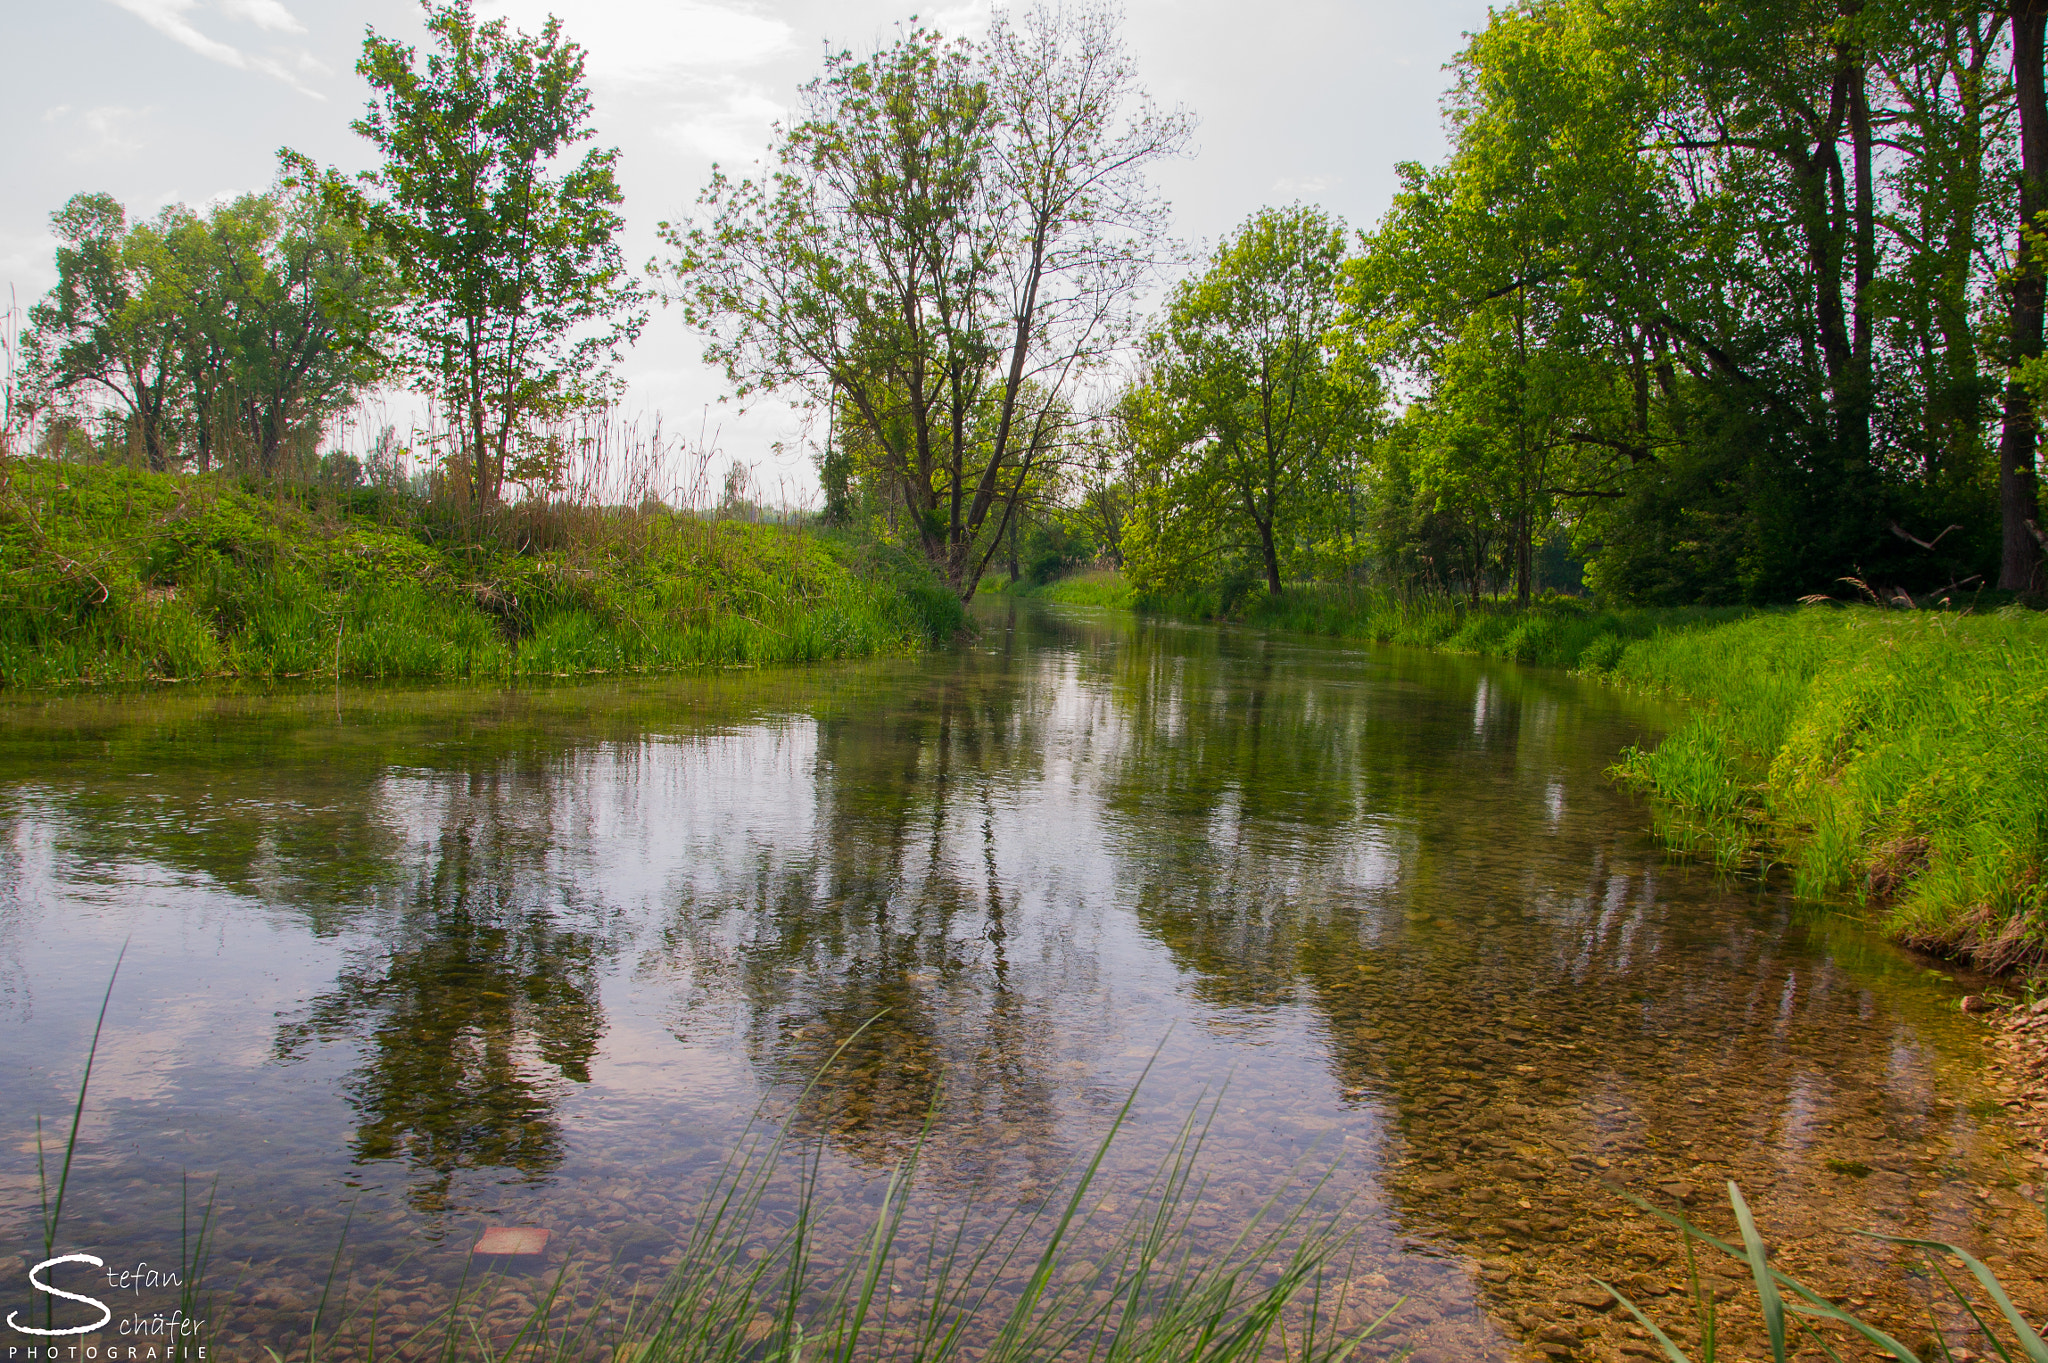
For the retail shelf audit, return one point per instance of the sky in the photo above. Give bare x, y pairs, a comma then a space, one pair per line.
164, 101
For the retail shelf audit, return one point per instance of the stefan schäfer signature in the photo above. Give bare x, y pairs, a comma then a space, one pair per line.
156, 1326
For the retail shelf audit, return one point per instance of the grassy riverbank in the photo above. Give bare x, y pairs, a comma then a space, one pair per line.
1897, 758
1556, 632
1894, 759
108, 575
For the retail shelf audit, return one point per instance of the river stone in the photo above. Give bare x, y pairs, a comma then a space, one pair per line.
638, 1239
513, 1240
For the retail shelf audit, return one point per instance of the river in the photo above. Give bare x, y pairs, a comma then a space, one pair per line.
423, 960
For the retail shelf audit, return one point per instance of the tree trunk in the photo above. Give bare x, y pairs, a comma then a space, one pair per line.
1272, 557
2017, 500
1857, 400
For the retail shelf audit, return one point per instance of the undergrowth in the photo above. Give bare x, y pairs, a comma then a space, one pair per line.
1093, 588
111, 575
1560, 631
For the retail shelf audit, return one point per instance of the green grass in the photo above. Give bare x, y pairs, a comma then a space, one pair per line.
1566, 632
110, 575
1094, 588
1897, 758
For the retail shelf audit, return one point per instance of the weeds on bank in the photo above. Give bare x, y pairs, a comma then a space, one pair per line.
111, 575
1894, 758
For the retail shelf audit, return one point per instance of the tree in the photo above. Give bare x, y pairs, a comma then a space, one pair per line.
949, 238
1102, 492
2018, 498
514, 293
262, 289
1263, 417
219, 335
1713, 291
104, 327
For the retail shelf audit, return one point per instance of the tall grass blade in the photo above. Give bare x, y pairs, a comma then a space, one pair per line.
2025, 1334
1760, 1269
1664, 1341
53, 1213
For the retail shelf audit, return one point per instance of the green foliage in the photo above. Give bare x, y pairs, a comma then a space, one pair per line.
1251, 424
1710, 294
1891, 756
105, 327
950, 235
514, 293
114, 575
217, 336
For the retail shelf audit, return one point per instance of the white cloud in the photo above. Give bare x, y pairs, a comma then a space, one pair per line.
636, 40
169, 17
731, 124
265, 14
96, 134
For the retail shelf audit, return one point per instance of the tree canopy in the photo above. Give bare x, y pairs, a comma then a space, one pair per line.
948, 239
513, 293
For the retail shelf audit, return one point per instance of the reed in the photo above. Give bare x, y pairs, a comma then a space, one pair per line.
1795, 1316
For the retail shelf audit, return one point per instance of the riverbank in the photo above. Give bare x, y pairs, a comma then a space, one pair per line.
1893, 759
117, 576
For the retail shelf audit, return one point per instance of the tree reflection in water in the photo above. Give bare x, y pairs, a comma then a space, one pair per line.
892, 914
473, 1015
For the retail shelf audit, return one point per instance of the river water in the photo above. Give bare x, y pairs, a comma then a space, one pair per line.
424, 961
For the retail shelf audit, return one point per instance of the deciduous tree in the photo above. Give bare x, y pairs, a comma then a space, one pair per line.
948, 238
514, 293
1264, 420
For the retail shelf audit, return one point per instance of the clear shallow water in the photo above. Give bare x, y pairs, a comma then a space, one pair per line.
437, 959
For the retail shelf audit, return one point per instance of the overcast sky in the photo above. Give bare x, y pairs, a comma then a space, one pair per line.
162, 101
